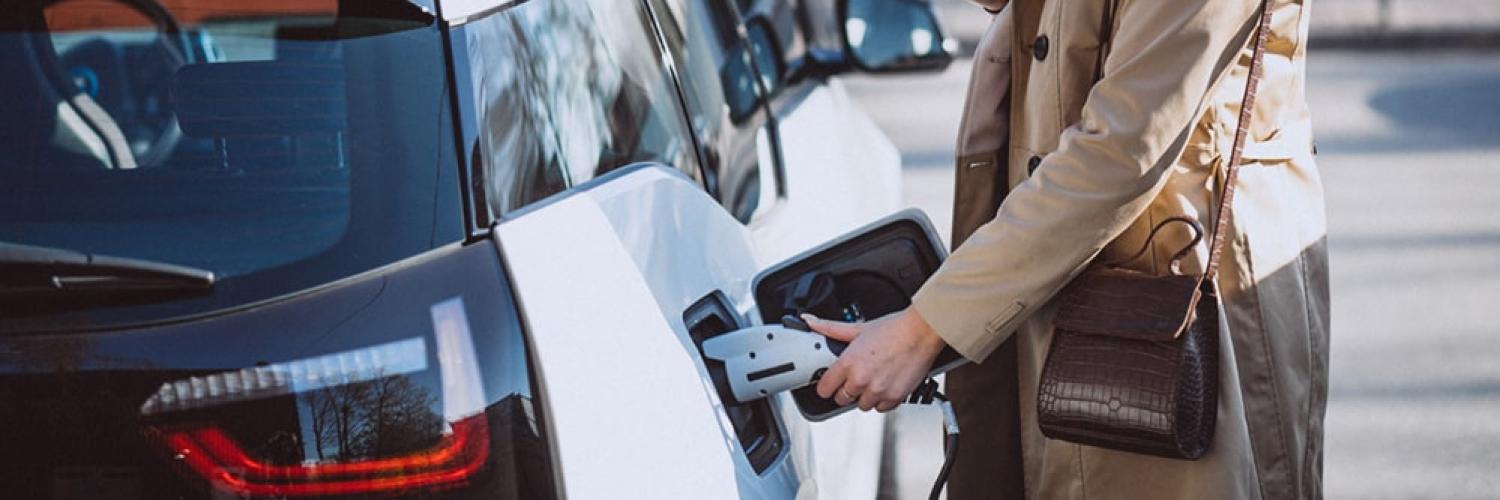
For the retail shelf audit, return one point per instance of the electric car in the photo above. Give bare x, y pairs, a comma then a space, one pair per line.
437, 248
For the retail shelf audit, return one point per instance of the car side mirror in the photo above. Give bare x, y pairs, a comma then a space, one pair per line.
884, 36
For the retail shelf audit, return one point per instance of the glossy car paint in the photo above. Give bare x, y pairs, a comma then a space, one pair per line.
590, 256
604, 276
840, 167
842, 173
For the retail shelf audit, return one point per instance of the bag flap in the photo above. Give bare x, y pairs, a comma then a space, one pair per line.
1127, 304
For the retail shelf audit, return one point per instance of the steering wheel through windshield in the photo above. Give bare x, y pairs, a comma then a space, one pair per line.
132, 87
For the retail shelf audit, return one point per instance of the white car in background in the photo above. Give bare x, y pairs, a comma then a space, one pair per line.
439, 248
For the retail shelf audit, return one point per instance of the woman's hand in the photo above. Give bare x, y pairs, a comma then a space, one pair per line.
884, 362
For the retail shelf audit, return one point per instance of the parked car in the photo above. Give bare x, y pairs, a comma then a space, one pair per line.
436, 248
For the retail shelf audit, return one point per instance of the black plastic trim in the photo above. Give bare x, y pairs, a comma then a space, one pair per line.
541, 404
408, 262
772, 371
588, 185
710, 177
763, 448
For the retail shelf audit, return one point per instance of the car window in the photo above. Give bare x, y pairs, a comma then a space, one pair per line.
270, 143
777, 36
565, 91
726, 101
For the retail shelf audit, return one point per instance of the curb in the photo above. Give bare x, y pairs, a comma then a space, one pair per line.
1407, 40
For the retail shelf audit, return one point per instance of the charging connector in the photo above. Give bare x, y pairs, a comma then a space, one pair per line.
764, 360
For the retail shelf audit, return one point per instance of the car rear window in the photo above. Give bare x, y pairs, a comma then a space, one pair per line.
272, 143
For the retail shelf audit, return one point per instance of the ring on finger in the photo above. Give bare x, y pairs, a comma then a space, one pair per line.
851, 397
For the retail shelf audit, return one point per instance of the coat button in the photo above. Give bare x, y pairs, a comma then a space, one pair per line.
1039, 49
1032, 164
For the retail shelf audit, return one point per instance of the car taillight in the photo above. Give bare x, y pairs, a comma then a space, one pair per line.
356, 388
215, 455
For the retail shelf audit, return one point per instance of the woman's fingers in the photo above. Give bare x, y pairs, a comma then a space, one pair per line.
885, 360
836, 330
832, 381
842, 383
869, 400
848, 394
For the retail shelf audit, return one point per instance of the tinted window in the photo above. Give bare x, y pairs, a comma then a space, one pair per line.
725, 99
272, 143
565, 91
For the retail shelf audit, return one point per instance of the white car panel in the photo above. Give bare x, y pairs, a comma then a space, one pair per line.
629, 412
687, 246
604, 277
842, 173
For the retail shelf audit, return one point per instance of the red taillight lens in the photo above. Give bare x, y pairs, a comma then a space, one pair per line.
215, 456
369, 391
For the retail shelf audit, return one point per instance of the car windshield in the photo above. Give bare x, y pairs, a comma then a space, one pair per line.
278, 144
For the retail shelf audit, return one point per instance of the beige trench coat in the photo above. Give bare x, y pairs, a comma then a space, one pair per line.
1056, 170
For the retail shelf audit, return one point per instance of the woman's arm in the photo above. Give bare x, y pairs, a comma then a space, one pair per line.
1166, 56
1107, 168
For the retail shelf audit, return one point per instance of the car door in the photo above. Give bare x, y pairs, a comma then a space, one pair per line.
796, 199
725, 96
837, 171
584, 172
837, 162
622, 280
592, 175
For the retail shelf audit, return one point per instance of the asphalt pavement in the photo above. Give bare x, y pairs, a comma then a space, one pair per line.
1410, 154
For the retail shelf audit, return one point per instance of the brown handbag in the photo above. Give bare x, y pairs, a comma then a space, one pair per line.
1133, 364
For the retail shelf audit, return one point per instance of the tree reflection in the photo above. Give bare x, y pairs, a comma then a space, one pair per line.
567, 91
378, 418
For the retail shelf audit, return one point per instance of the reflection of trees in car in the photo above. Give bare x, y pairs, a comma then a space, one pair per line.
727, 106
562, 101
388, 416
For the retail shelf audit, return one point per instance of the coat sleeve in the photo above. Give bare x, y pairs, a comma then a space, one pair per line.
1166, 57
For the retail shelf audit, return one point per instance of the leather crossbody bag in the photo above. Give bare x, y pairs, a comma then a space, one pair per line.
1133, 364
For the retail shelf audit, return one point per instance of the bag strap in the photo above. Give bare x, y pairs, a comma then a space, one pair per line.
1242, 128
1241, 131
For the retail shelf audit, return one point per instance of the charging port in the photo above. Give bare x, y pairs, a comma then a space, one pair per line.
755, 424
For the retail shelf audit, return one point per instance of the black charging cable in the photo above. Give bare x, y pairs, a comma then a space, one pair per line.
927, 393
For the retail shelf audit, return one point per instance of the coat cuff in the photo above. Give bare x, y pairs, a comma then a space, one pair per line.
974, 334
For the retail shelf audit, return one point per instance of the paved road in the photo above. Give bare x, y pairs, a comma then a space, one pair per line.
1410, 153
